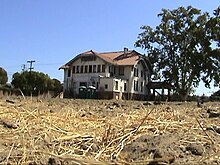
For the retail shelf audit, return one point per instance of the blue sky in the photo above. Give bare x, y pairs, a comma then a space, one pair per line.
52, 32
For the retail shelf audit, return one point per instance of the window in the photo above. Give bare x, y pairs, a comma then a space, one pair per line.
135, 85
77, 69
125, 86
97, 85
81, 69
114, 70
136, 72
99, 69
90, 68
88, 58
142, 86
103, 68
116, 85
86, 68
106, 86
94, 68
69, 73
83, 84
74, 69
121, 70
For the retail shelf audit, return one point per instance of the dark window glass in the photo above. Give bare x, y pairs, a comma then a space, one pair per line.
116, 85
81, 69
77, 69
103, 68
125, 86
99, 69
86, 68
94, 68
74, 69
69, 73
90, 68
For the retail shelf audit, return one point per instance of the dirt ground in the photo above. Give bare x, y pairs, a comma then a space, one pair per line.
67, 131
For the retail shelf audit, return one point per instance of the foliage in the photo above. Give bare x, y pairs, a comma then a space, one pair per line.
215, 96
216, 93
3, 76
56, 86
180, 48
35, 83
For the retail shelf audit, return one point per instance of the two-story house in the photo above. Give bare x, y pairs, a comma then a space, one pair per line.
114, 75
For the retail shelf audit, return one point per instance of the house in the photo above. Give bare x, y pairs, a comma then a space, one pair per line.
112, 75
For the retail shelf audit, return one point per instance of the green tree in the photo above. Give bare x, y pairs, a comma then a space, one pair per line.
213, 26
180, 49
3, 76
57, 86
32, 82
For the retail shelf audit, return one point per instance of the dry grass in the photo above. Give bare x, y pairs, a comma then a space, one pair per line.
95, 132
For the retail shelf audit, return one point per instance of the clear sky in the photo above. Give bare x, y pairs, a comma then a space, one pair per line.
52, 32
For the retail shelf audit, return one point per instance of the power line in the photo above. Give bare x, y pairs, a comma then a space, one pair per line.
47, 64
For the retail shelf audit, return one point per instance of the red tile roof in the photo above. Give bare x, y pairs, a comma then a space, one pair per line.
116, 58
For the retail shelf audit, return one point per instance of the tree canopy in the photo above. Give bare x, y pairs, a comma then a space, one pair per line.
3, 76
35, 83
180, 48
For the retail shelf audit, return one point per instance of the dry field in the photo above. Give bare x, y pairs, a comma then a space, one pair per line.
68, 131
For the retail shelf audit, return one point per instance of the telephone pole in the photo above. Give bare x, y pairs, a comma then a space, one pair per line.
23, 67
31, 65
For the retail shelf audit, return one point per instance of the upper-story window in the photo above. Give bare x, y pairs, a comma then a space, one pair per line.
136, 72
69, 72
86, 69
103, 68
77, 69
88, 58
99, 69
94, 68
90, 68
74, 69
121, 70
142, 73
81, 69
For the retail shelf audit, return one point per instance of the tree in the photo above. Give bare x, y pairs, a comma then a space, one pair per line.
33, 82
215, 96
213, 26
3, 76
180, 49
57, 86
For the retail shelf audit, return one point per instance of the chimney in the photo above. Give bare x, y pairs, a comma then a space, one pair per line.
125, 51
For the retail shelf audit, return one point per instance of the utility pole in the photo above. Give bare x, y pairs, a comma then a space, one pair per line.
31, 66
23, 67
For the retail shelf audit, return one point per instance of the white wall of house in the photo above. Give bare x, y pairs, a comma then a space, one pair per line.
125, 79
84, 72
106, 83
113, 84
139, 79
